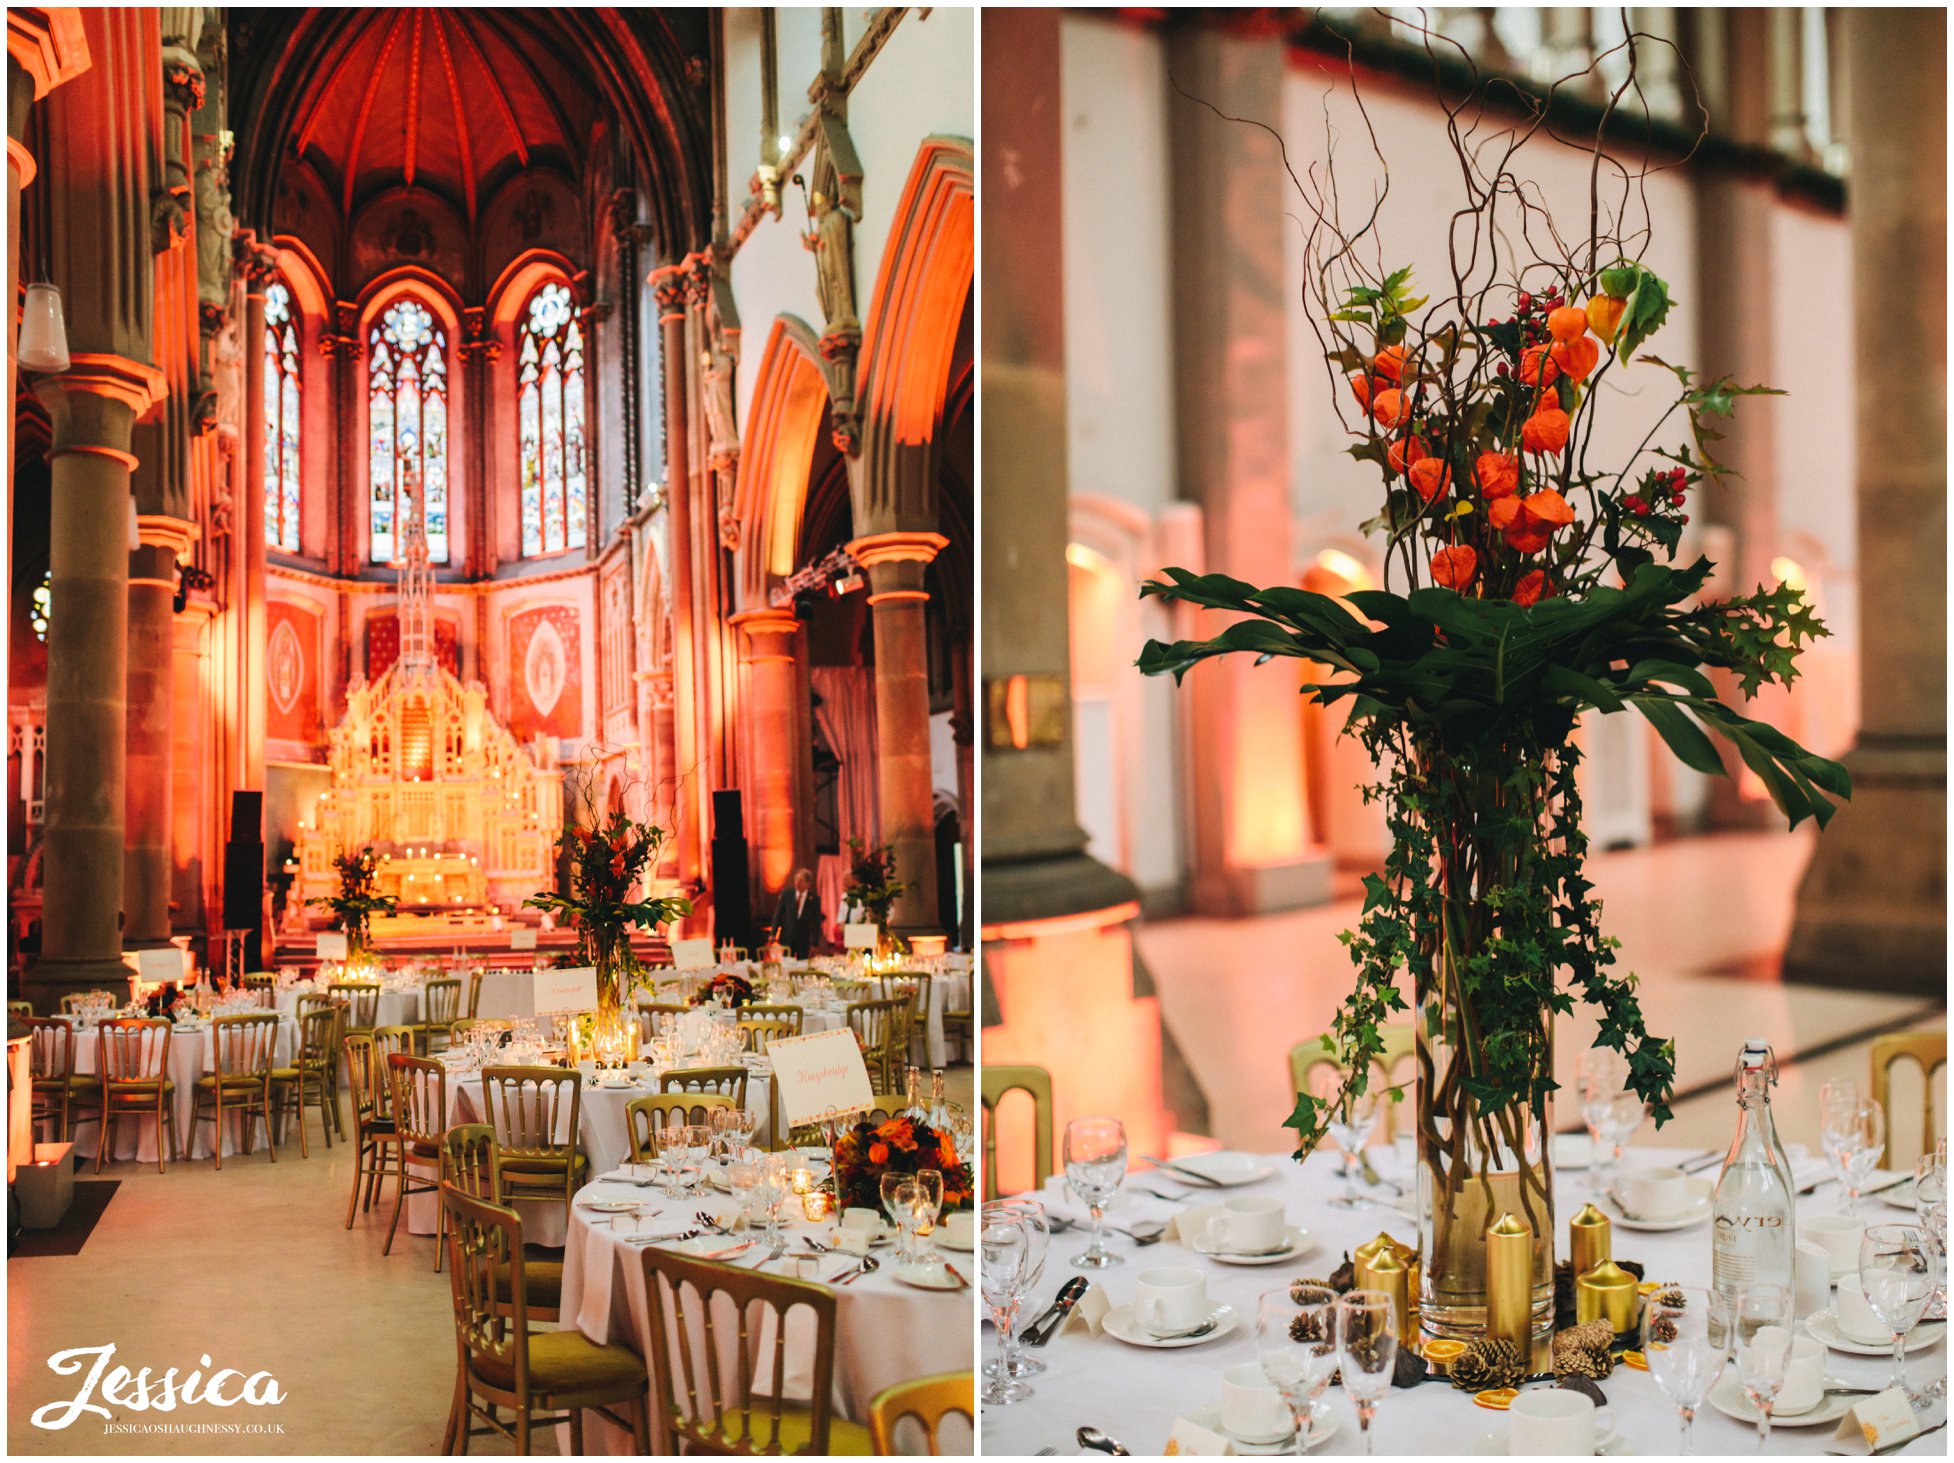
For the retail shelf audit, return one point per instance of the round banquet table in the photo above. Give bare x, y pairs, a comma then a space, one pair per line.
1136, 1394
399, 1005
885, 1331
192, 1054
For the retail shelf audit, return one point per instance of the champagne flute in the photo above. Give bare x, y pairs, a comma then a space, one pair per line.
1352, 1119
1296, 1338
1002, 1254
1930, 1205
1896, 1267
1686, 1339
1762, 1324
1037, 1232
1095, 1166
1367, 1353
928, 1204
891, 1191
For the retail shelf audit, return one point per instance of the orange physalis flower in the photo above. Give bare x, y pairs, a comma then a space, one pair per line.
1549, 508
1405, 452
1389, 363
1360, 387
1430, 476
1576, 357
1388, 407
1498, 474
1537, 368
1530, 587
1545, 430
1502, 514
1453, 568
1605, 316
1569, 322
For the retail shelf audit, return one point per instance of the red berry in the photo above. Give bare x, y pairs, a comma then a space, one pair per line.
1501, 369
1526, 300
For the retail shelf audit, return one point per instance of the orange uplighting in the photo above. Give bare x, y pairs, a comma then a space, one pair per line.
1064, 924
1017, 710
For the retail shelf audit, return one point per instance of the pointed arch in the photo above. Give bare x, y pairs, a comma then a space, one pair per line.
783, 427
409, 328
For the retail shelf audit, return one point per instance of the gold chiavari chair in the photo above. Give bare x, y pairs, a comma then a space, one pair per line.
374, 1136
133, 1059
1929, 1050
759, 1033
468, 1163
645, 1116
59, 1090
440, 1009
263, 985
912, 987
308, 1082
927, 1399
420, 1111
474, 993
387, 1041
72, 1002
303, 1007
794, 1016
881, 1029
1307, 1058
362, 999
543, 1377
245, 1050
728, 1082
1036, 1083
20, 1010
697, 1406
658, 1018
535, 1113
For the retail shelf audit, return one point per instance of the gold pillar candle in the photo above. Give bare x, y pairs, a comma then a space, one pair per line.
1365, 1253
1386, 1271
1608, 1293
1590, 1239
1509, 1280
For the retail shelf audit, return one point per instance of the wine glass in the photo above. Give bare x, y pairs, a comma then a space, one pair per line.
1352, 1119
743, 1181
722, 1120
1037, 1230
695, 1148
1367, 1352
745, 1123
1002, 1254
891, 1202
1686, 1339
1853, 1130
1600, 1074
1095, 1166
928, 1204
1296, 1338
1762, 1321
909, 1219
671, 1152
1896, 1267
1930, 1205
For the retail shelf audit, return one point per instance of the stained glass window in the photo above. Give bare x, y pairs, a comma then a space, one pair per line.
40, 605
407, 428
281, 445
550, 421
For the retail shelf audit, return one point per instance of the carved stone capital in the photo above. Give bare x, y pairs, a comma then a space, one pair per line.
169, 219
621, 213
255, 264
183, 83
668, 288
211, 320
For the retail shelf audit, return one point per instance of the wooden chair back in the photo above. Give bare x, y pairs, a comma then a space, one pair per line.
362, 998
533, 1110
758, 1033
468, 1161
645, 1116
1927, 1050
245, 1046
51, 1050
440, 1003
882, 1029
1036, 1083
1308, 1059
928, 1400
727, 1082
484, 1243
419, 1094
133, 1049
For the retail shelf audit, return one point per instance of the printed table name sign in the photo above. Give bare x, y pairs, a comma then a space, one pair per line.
860, 937
522, 939
820, 1077
565, 990
692, 954
332, 945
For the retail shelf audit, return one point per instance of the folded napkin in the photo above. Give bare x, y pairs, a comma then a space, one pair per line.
1126, 1208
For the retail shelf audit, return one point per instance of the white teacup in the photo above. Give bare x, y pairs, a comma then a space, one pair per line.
1856, 1317
866, 1220
1170, 1300
1839, 1234
1653, 1193
1550, 1421
1811, 1270
960, 1229
1804, 1378
1251, 1225
1252, 1410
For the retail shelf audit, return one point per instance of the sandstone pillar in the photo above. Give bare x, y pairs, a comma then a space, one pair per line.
249, 525
680, 774
1872, 910
150, 827
896, 563
775, 694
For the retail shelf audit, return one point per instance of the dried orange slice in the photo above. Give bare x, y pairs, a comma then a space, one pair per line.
1497, 1398
1444, 1349
1636, 1360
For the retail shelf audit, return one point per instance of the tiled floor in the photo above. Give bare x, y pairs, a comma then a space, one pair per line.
253, 1268
1701, 922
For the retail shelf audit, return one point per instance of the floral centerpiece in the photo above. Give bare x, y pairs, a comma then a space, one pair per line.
872, 881
726, 989
903, 1144
606, 863
357, 901
1524, 587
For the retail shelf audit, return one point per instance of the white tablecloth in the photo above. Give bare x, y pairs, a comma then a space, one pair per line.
397, 1007
192, 1054
885, 1331
1135, 1394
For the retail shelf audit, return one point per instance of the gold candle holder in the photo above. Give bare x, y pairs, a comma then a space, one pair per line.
1590, 1239
1509, 1280
1610, 1293
803, 1180
1386, 1270
814, 1204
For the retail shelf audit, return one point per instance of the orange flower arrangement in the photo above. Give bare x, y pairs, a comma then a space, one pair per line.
903, 1144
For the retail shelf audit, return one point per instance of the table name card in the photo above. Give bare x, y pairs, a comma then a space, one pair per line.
1876, 1424
860, 937
522, 939
692, 954
565, 990
1088, 1314
332, 945
1191, 1440
167, 965
820, 1076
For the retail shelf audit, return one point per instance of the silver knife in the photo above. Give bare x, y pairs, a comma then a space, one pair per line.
1190, 1175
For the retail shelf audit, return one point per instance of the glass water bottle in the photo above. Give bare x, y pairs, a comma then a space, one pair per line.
1752, 1230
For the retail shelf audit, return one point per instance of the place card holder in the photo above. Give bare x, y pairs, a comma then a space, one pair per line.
1191, 1440
1089, 1314
1875, 1424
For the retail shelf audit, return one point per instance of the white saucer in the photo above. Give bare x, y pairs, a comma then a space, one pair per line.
1298, 1242
1729, 1399
1119, 1325
1323, 1427
1697, 1211
1825, 1326
944, 1242
924, 1277
1498, 1444
1229, 1170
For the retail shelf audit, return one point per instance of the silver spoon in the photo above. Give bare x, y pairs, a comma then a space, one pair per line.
1092, 1437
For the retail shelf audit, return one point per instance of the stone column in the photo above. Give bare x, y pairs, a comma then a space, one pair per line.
1253, 850
1872, 910
896, 563
687, 827
258, 266
664, 747
149, 828
775, 698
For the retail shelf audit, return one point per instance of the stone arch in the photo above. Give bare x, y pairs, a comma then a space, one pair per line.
783, 429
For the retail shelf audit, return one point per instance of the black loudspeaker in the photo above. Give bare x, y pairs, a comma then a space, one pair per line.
732, 900
244, 863
248, 817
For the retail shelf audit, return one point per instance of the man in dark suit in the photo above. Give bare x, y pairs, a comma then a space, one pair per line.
797, 918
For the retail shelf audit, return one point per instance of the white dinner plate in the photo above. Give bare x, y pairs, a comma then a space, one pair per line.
1702, 1190
1825, 1326
1120, 1325
609, 1206
944, 1242
1229, 1170
1297, 1241
1729, 1399
1323, 1427
925, 1277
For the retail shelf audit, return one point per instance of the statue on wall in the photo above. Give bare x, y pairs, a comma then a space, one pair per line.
718, 377
834, 207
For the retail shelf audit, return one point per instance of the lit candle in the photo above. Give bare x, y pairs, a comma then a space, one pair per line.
1509, 1281
803, 1181
814, 1204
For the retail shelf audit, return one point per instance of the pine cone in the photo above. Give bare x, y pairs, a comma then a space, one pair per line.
1583, 1350
1488, 1362
1296, 1287
1662, 1329
1305, 1327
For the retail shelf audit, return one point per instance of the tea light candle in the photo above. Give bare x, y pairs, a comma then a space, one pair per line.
814, 1204
1590, 1239
1608, 1293
803, 1181
1509, 1280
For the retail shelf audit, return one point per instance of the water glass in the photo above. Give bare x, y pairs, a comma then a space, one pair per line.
1095, 1166
1037, 1234
1853, 1130
1762, 1326
743, 1180
1367, 1352
1930, 1205
892, 1204
1296, 1340
1003, 1251
1352, 1119
1896, 1268
671, 1153
1686, 1340
927, 1204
